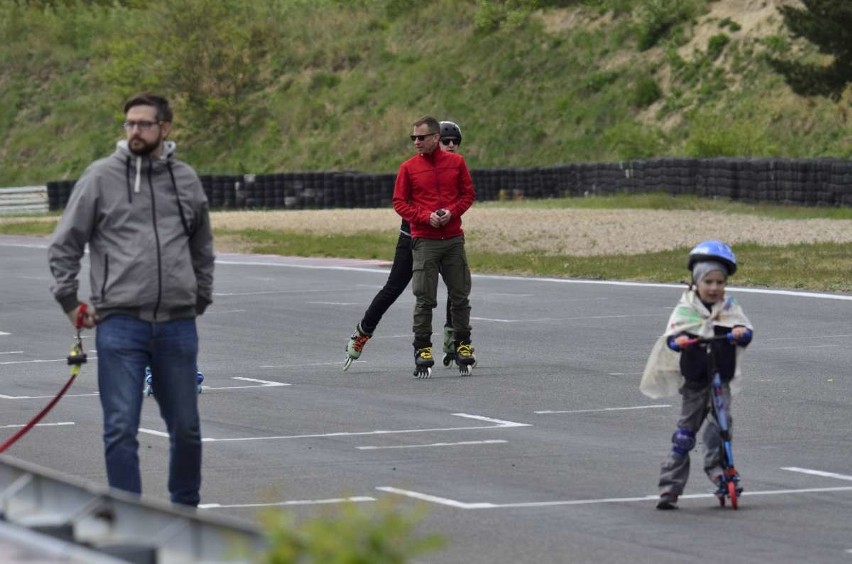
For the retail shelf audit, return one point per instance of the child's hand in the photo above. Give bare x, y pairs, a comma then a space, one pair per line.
677, 343
741, 334
683, 341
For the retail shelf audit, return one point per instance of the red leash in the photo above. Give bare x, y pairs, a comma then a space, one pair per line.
76, 358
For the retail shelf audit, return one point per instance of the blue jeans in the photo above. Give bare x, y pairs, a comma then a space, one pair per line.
126, 345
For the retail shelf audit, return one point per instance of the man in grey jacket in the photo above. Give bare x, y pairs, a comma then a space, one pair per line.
145, 219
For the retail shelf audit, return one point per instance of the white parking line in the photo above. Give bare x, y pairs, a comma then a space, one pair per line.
10, 352
39, 361
818, 473
462, 443
59, 424
258, 384
263, 384
303, 365
496, 424
2, 396
487, 505
356, 499
549, 412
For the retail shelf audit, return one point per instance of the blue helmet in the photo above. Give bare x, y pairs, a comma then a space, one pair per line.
715, 251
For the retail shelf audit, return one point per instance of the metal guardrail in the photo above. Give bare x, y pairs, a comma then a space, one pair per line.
23, 199
117, 524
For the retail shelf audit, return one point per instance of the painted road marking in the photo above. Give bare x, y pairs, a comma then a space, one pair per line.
487, 505
263, 384
10, 352
356, 499
334, 264
59, 424
548, 412
2, 396
495, 424
796, 348
543, 319
258, 384
462, 443
304, 365
32, 361
818, 473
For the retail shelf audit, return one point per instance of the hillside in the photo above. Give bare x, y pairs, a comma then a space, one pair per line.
295, 85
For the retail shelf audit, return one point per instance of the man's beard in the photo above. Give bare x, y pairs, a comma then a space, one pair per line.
142, 148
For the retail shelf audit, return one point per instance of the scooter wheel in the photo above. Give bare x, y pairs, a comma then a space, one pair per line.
732, 493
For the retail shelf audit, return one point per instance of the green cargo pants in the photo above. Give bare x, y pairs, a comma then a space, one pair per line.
445, 258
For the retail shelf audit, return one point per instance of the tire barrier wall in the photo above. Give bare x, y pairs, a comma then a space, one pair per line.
808, 182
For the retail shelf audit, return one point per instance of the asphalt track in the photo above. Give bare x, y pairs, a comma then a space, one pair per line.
547, 453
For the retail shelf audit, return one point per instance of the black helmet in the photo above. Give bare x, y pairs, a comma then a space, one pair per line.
713, 251
451, 129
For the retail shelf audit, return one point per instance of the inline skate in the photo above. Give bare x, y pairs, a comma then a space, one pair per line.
464, 358
355, 345
149, 389
423, 362
149, 381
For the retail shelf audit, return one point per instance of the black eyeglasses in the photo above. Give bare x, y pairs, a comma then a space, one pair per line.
448, 140
142, 125
421, 137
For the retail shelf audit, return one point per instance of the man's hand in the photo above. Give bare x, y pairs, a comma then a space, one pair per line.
89, 319
440, 218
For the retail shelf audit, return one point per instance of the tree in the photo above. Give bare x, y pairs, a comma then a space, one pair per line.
828, 25
205, 54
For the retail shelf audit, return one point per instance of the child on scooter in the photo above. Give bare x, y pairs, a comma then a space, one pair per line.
703, 311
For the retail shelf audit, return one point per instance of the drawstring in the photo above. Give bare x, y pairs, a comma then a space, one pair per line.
138, 174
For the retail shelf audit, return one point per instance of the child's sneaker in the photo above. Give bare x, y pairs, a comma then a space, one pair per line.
667, 501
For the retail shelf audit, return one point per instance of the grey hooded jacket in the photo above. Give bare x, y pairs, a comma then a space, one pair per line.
147, 224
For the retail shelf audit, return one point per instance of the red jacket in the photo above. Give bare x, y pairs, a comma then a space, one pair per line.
426, 183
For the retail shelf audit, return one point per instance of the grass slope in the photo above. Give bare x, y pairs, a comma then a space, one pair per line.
286, 85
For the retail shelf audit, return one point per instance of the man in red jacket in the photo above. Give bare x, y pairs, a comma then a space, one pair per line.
432, 191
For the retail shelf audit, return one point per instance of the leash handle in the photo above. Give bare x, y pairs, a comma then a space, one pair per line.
81, 316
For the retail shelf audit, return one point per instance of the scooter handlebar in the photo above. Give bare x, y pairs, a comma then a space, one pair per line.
726, 337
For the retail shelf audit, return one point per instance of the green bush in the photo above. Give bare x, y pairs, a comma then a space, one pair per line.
382, 535
713, 135
646, 92
629, 141
716, 44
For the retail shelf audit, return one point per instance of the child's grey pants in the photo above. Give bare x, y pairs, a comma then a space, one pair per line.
695, 409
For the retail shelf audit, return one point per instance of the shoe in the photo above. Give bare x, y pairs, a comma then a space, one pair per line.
667, 501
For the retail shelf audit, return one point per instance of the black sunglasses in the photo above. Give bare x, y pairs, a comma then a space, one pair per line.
421, 137
448, 140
